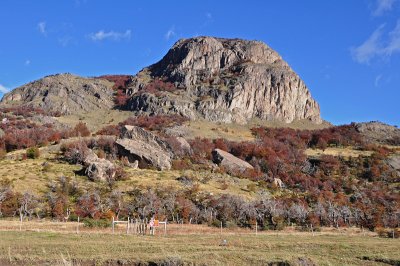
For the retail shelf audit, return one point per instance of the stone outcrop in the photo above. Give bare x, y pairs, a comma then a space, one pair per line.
224, 80
394, 162
184, 145
143, 146
278, 183
63, 94
220, 80
98, 169
231, 163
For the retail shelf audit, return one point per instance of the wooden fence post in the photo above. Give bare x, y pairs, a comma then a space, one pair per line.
256, 228
127, 226
77, 226
113, 225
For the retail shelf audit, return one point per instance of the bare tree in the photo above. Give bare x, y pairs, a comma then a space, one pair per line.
4, 191
116, 202
299, 212
27, 205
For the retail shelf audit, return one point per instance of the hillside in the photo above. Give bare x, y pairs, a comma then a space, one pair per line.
63, 94
220, 131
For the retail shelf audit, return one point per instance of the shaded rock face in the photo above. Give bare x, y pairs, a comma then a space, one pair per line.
394, 162
184, 145
140, 145
98, 169
231, 163
64, 94
224, 80
379, 132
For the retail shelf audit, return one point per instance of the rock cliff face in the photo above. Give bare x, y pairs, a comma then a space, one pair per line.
63, 94
220, 80
223, 80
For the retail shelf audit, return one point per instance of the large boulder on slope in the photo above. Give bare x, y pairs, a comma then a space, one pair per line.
231, 163
98, 169
140, 145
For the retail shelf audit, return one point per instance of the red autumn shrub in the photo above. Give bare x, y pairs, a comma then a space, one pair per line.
81, 130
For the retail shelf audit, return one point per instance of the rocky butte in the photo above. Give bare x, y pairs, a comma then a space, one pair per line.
220, 80
224, 80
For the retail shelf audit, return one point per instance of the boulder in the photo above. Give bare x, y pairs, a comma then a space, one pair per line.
184, 145
98, 169
149, 150
394, 162
231, 163
278, 183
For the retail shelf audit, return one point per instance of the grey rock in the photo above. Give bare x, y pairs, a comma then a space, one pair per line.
138, 144
63, 93
134, 165
278, 183
184, 145
224, 80
394, 162
98, 169
231, 163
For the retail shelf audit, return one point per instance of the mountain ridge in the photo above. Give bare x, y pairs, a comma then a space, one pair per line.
216, 79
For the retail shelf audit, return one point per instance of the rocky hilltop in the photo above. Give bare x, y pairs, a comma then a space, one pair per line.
63, 94
223, 80
379, 132
220, 80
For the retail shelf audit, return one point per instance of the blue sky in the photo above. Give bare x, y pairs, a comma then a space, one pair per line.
347, 52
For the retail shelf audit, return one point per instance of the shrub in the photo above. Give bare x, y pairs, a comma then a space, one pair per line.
120, 174
75, 152
215, 223
81, 130
2, 154
99, 223
393, 233
156, 122
231, 224
33, 153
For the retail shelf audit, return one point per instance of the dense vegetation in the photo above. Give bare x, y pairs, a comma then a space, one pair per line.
320, 191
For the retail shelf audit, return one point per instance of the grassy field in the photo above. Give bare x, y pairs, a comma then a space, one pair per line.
56, 248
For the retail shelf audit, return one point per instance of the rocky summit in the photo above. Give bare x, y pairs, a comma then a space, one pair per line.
220, 80
63, 94
223, 80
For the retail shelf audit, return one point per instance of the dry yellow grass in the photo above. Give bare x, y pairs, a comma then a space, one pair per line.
237, 132
96, 120
207, 181
343, 152
31, 175
198, 245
